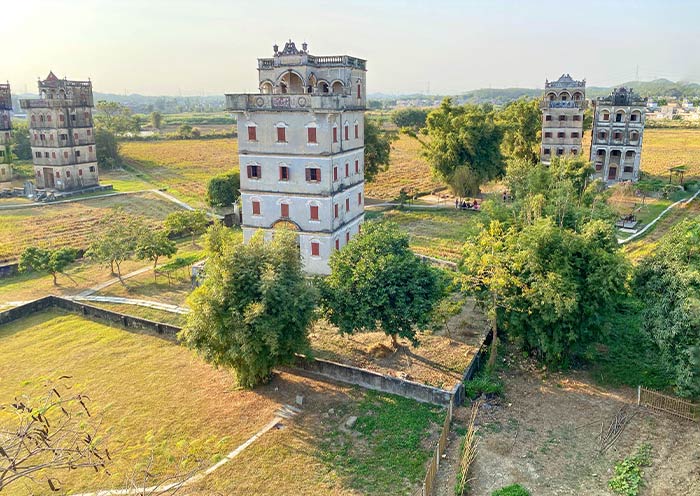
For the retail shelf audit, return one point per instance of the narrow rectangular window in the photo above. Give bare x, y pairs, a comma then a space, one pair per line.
284, 210
90, 149
281, 135
359, 91
311, 132
357, 166
335, 135
347, 170
347, 237
53, 154
67, 173
65, 154
313, 212
58, 174
347, 204
315, 249
347, 132
89, 132
92, 168
252, 133
48, 118
284, 173
357, 131
335, 174
359, 198
256, 208
337, 244
80, 172
335, 211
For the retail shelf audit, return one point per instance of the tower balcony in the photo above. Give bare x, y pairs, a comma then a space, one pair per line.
558, 104
246, 102
29, 104
316, 61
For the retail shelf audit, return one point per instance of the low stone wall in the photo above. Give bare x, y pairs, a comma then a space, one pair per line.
375, 381
127, 321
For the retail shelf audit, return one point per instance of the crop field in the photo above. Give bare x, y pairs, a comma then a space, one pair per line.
71, 224
664, 148
184, 167
438, 233
407, 169
158, 400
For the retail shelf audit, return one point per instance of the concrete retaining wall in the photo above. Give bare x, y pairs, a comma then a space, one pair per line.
375, 381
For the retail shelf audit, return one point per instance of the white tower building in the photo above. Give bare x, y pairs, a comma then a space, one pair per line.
301, 146
562, 105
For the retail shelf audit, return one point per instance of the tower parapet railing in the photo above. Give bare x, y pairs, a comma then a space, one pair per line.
53, 103
558, 104
317, 61
244, 102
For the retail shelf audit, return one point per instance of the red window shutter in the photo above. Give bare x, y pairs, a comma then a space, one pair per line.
357, 131
318, 174
337, 244
335, 135
347, 169
335, 173
48, 118
249, 168
256, 208
60, 118
308, 174
313, 212
357, 166
281, 135
284, 207
65, 154
335, 210
347, 133
80, 172
347, 237
252, 133
347, 204
315, 249
359, 198
53, 154
311, 134
359, 91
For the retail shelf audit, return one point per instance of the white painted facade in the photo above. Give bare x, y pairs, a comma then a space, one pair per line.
301, 151
563, 104
5, 133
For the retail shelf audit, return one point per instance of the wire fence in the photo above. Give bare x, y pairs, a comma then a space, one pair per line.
668, 404
428, 487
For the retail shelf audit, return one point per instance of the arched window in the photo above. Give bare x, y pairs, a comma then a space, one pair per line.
606, 115
634, 136
337, 87
620, 116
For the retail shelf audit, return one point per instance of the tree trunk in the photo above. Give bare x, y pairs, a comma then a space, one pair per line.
119, 273
55, 282
111, 267
394, 341
494, 344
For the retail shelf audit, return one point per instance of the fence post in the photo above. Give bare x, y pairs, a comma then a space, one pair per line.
639, 395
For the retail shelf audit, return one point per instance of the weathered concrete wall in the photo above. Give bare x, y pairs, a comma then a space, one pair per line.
376, 381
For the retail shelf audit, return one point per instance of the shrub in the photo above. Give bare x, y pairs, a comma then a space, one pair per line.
485, 382
629, 475
512, 490
223, 190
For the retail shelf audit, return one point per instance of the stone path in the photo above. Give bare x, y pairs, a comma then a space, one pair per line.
132, 301
113, 281
13, 206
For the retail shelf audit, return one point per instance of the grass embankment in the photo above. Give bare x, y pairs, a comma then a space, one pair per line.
71, 224
184, 167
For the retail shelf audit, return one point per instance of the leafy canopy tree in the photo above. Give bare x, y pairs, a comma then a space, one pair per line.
668, 284
48, 261
107, 149
254, 307
21, 146
116, 118
156, 120
411, 118
464, 182
190, 222
464, 136
377, 282
116, 240
223, 190
152, 245
377, 149
522, 124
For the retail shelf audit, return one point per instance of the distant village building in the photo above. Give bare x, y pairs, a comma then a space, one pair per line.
563, 103
301, 145
5, 133
618, 128
62, 135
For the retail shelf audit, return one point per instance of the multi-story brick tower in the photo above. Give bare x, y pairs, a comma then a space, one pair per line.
563, 103
62, 135
301, 145
5, 133
618, 127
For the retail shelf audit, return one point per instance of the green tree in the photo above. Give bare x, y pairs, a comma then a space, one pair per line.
152, 245
116, 240
254, 307
190, 222
464, 182
116, 118
45, 260
21, 145
377, 150
156, 120
376, 282
521, 121
464, 136
107, 148
185, 131
411, 118
223, 190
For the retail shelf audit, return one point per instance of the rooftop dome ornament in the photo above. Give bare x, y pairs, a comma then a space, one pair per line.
276, 48
305, 47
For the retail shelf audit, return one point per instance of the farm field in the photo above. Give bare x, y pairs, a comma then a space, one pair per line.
71, 224
182, 166
407, 169
664, 148
438, 233
173, 402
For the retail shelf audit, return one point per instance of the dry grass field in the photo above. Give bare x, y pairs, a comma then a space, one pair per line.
71, 224
182, 166
664, 148
157, 399
407, 169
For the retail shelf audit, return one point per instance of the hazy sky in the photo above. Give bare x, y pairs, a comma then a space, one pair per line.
193, 47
